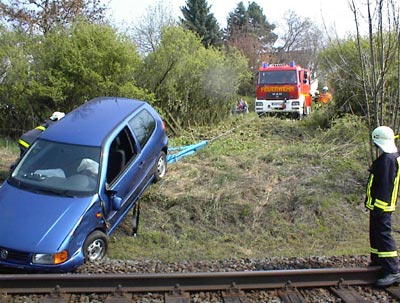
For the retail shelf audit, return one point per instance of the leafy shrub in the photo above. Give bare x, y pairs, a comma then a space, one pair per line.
321, 116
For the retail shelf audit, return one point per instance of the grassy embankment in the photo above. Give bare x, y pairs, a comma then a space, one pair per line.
271, 187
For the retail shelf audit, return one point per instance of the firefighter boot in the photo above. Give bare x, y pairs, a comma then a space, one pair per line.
388, 280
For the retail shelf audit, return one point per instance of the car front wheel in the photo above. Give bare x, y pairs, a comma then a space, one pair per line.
95, 247
161, 167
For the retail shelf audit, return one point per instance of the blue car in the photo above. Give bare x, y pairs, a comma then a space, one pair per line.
77, 182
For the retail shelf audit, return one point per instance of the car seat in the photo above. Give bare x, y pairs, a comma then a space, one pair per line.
116, 160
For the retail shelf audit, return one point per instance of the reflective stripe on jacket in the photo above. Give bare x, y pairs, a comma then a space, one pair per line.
383, 254
29, 137
383, 183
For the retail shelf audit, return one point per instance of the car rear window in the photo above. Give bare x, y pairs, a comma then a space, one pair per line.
143, 125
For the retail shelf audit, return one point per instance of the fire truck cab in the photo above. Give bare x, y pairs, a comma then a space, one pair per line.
283, 89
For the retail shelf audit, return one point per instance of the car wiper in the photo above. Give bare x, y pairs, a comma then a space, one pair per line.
62, 193
67, 193
18, 183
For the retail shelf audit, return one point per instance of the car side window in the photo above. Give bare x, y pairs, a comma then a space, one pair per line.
143, 125
122, 150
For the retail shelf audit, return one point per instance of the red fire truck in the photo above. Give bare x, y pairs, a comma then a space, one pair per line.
284, 88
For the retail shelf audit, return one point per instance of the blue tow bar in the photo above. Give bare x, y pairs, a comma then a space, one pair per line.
184, 151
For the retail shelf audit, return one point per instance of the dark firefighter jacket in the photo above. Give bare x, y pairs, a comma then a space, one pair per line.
30, 136
383, 182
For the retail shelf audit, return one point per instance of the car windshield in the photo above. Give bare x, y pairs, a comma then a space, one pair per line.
277, 77
58, 168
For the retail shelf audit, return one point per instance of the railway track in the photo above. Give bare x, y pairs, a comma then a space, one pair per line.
177, 287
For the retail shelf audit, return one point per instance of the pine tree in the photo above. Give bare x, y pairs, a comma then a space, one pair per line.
242, 23
237, 22
249, 31
197, 18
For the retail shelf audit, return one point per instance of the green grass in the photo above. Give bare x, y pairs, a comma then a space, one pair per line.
268, 187
9, 152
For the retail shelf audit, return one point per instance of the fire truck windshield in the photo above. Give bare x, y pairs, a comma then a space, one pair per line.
277, 77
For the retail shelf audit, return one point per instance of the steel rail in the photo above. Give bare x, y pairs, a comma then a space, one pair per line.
198, 281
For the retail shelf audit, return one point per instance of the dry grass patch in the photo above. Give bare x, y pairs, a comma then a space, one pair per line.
270, 187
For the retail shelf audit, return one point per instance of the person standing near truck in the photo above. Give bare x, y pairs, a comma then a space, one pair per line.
380, 200
325, 97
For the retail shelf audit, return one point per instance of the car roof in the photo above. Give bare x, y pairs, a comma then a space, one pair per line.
91, 122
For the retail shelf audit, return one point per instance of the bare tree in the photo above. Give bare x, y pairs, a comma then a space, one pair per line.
379, 62
42, 15
301, 40
147, 30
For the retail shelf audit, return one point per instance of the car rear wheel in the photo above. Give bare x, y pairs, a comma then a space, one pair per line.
161, 168
95, 247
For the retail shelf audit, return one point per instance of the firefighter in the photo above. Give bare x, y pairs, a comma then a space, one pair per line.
30, 136
380, 200
325, 97
244, 106
241, 107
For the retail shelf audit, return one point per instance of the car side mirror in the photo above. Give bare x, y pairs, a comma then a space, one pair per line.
116, 202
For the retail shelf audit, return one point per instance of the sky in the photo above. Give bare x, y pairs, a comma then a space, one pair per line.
336, 15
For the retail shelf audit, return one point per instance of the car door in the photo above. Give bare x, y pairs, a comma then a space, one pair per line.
129, 166
124, 175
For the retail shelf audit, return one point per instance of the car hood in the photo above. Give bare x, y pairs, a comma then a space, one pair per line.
35, 222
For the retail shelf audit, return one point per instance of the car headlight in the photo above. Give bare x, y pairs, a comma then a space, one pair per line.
56, 258
295, 103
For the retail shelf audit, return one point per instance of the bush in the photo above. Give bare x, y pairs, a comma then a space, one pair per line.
322, 116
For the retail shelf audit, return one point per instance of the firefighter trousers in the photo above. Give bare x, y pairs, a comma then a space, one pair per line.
383, 246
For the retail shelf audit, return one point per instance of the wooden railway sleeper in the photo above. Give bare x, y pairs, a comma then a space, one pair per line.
346, 292
394, 291
4, 298
233, 289
56, 296
290, 294
118, 296
177, 295
234, 294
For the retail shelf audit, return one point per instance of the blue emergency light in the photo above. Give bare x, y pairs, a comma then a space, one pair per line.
292, 64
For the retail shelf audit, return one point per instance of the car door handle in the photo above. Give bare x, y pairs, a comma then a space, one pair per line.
141, 165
